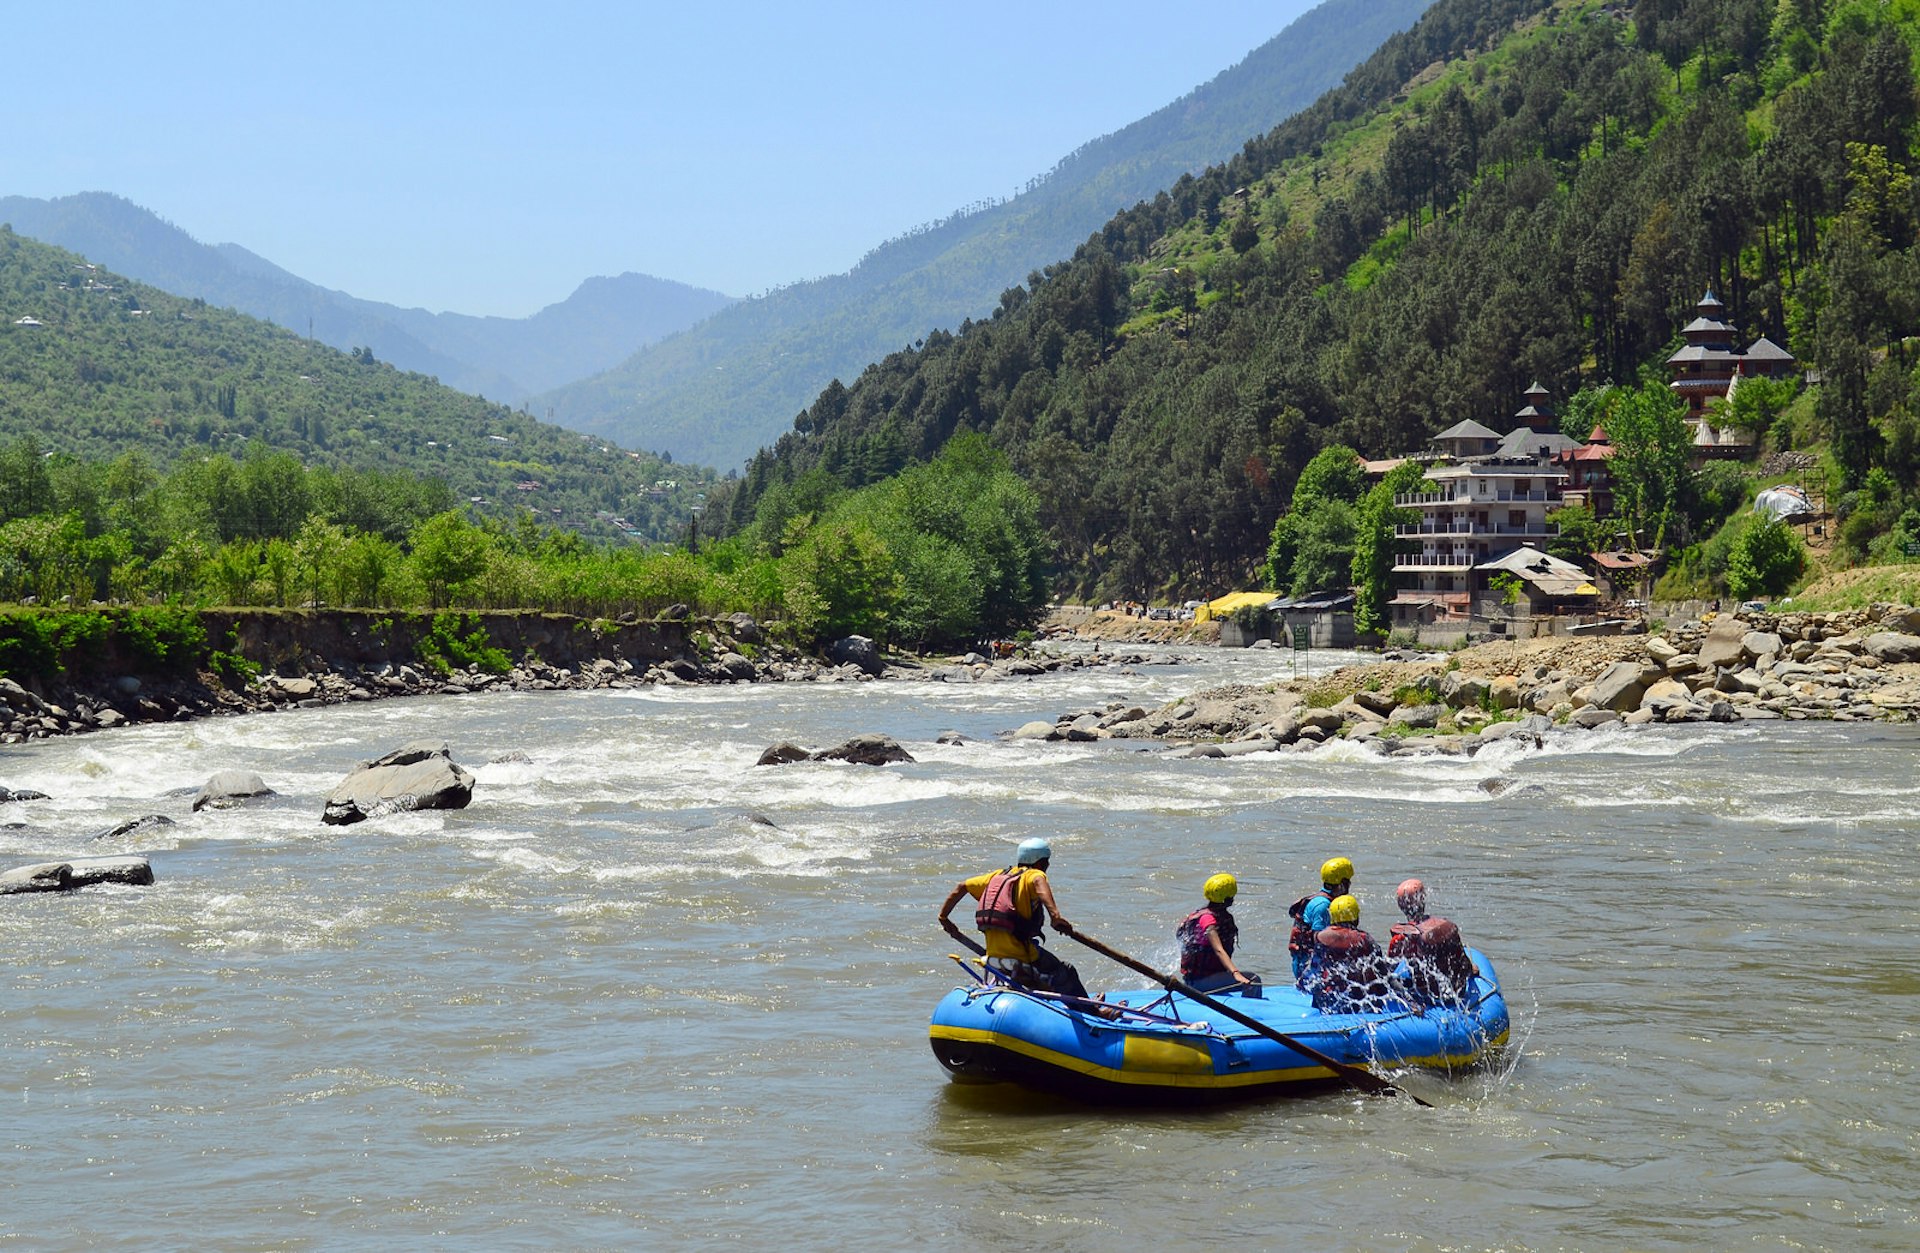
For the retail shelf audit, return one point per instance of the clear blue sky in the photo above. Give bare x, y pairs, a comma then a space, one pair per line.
486, 157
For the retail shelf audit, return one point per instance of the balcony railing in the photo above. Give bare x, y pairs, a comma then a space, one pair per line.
1436, 561
1414, 530
1416, 500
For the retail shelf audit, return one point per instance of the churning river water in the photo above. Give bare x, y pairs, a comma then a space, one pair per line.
607, 1006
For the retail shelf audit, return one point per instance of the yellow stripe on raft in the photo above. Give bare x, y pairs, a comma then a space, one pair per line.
1174, 1057
1179, 1064
1145, 1078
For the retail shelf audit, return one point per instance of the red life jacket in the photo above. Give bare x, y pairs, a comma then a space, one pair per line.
1349, 971
1300, 939
1403, 939
999, 908
1436, 958
1197, 958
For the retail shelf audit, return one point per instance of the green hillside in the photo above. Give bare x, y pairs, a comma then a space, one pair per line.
717, 392
1511, 190
94, 365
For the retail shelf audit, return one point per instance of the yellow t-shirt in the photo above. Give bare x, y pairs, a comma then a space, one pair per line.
1026, 899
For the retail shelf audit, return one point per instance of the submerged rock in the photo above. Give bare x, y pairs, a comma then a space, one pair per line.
132, 826
784, 753
20, 794
421, 775
866, 750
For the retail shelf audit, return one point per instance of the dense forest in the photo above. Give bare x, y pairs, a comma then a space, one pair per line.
717, 392
945, 554
95, 366
1511, 190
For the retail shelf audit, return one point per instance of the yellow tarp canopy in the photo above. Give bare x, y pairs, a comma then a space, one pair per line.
1231, 601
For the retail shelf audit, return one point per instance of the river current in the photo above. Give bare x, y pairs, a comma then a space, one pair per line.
643, 994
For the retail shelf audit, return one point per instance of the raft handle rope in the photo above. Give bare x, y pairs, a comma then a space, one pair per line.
991, 982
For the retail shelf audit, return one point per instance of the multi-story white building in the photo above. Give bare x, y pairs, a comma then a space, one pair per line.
1473, 511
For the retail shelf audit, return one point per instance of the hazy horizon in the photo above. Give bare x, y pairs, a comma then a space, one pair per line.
490, 167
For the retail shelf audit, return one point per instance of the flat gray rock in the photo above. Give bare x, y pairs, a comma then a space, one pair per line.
421, 775
1419, 717
50, 876
1620, 686
77, 872
1894, 646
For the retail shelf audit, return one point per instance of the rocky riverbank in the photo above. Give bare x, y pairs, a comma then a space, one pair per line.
1857, 665
308, 659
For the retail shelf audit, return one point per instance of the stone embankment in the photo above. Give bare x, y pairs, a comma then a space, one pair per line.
1853, 666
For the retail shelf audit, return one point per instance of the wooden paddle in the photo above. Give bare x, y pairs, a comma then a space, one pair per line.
1358, 1077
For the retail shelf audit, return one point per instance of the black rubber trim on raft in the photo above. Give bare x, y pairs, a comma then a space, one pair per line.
971, 1061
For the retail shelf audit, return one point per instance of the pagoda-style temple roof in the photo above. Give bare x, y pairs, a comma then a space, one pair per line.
1764, 349
1466, 430
1701, 328
1524, 441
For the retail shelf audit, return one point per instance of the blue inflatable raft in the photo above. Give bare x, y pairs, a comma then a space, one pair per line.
1165, 1048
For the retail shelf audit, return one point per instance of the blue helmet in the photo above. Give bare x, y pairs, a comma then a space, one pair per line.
1033, 851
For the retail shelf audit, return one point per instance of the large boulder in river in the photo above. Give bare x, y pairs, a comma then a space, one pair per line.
866, 750
857, 650
20, 794
422, 775
230, 788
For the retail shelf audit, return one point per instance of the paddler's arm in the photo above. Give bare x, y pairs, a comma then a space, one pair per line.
1043, 893
1220, 951
946, 907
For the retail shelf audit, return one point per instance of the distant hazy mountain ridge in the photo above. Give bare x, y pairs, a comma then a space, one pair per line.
97, 366
507, 359
719, 391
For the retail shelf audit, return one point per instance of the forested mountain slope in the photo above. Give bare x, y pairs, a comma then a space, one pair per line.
96, 365
509, 359
715, 393
1510, 190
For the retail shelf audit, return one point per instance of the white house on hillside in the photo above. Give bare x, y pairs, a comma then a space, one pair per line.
1475, 510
